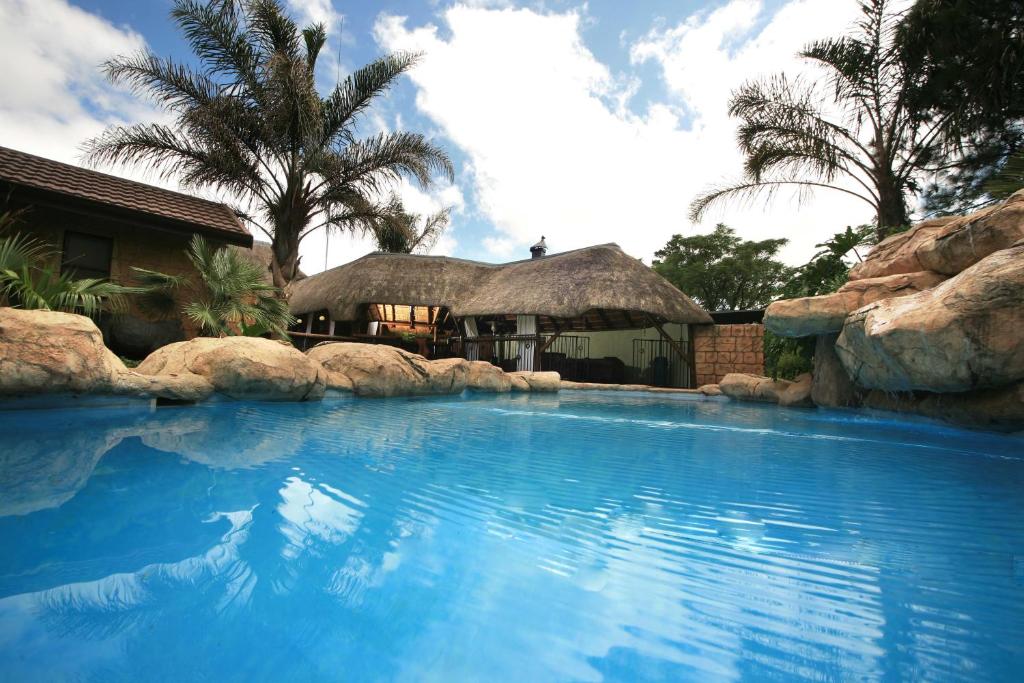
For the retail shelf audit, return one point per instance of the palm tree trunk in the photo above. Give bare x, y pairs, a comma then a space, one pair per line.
892, 208
284, 264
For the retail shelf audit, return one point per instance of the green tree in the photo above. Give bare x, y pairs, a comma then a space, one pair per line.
969, 57
853, 131
826, 272
828, 269
28, 281
722, 271
234, 298
251, 122
397, 231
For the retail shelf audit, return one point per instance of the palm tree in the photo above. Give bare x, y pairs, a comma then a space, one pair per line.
859, 135
251, 122
235, 297
26, 281
397, 231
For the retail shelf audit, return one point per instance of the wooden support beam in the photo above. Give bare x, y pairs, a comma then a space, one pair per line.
664, 335
604, 318
549, 342
629, 318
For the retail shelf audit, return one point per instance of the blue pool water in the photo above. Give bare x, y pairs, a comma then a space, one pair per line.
528, 538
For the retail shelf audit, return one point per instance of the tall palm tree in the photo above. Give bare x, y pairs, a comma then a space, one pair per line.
250, 121
397, 231
854, 131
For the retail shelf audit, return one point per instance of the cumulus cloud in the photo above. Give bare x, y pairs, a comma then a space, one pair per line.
54, 96
554, 150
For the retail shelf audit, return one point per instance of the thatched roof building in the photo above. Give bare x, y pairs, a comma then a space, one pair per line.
593, 288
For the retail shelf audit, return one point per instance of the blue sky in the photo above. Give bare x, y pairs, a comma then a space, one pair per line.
587, 122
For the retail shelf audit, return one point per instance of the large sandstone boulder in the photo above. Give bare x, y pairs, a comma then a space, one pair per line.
814, 315
1000, 409
484, 376
535, 381
240, 367
831, 387
46, 352
966, 333
376, 370
50, 352
898, 253
744, 387
947, 245
967, 240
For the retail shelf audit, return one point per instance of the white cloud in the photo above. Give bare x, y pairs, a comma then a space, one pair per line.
554, 152
54, 95
316, 11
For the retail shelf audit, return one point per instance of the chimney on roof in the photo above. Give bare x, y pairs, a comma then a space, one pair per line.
540, 249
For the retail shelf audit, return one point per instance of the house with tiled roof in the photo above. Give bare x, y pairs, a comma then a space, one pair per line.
101, 225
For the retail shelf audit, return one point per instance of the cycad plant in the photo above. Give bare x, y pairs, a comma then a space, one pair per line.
27, 281
854, 131
397, 231
234, 298
250, 121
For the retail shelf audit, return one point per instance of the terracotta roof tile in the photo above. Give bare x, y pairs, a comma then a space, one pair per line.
36, 172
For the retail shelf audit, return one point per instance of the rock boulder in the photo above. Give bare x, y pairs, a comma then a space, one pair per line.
999, 409
484, 376
831, 387
898, 253
814, 315
535, 381
964, 334
46, 352
963, 242
743, 387
376, 370
240, 367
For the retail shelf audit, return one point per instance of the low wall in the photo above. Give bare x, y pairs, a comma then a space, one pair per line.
721, 349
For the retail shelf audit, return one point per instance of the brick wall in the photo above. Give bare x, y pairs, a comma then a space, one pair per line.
721, 349
132, 246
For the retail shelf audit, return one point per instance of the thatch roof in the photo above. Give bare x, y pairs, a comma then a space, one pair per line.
560, 286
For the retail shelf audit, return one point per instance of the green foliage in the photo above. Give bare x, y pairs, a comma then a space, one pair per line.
26, 282
785, 358
722, 271
826, 272
969, 58
248, 120
235, 297
851, 131
397, 231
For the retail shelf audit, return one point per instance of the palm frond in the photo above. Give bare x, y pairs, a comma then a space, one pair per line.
746, 192
354, 95
372, 163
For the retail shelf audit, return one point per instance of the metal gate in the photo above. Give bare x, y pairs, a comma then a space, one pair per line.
659, 363
567, 355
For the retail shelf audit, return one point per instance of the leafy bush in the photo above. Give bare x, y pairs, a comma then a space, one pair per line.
235, 298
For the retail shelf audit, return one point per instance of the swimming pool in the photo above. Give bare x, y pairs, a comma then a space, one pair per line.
574, 536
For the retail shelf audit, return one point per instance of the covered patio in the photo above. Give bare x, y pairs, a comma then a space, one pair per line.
592, 314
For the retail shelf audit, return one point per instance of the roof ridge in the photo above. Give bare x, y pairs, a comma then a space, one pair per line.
440, 257
68, 183
118, 178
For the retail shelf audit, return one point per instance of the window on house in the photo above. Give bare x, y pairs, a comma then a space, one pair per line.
86, 256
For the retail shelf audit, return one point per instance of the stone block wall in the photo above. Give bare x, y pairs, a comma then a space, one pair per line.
721, 349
